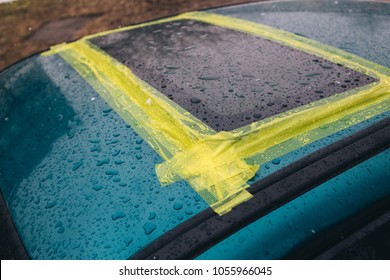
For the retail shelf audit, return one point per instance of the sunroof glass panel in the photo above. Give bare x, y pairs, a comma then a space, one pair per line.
226, 78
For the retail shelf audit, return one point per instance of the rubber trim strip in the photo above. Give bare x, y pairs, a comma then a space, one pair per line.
329, 239
11, 246
196, 235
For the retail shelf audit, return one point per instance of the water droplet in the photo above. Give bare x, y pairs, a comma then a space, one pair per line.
114, 141
118, 215
189, 48
257, 115
152, 215
115, 153
103, 161
195, 100
96, 148
97, 187
77, 165
107, 110
51, 204
138, 157
149, 227
128, 241
326, 66
276, 161
325, 126
209, 77
248, 75
177, 206
112, 172
313, 74
59, 224
172, 66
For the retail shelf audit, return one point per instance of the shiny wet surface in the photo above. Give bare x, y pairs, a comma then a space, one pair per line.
80, 183
226, 78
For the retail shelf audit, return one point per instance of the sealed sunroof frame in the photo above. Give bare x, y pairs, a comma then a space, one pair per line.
226, 78
218, 164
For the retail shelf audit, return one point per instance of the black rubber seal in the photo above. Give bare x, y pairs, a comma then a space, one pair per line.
196, 235
11, 246
354, 225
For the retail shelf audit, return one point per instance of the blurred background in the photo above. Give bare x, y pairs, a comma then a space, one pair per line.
31, 26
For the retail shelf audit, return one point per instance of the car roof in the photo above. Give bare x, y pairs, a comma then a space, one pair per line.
79, 165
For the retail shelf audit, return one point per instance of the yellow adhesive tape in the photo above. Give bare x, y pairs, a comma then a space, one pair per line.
218, 165
214, 167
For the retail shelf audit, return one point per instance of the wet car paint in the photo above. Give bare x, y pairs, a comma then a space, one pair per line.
104, 195
88, 188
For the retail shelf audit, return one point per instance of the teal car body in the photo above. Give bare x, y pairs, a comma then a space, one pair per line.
80, 183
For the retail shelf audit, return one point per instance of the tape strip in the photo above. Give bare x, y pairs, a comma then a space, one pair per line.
218, 165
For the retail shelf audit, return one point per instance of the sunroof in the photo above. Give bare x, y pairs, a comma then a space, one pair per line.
226, 78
